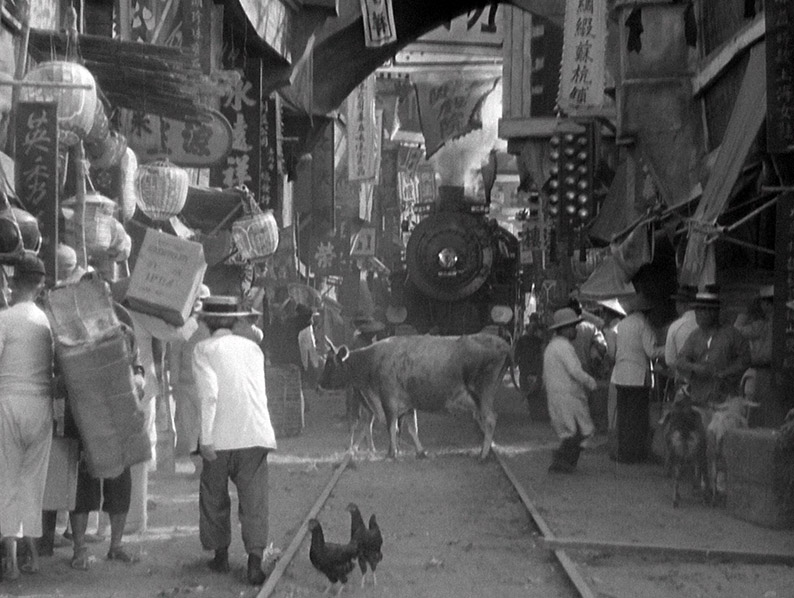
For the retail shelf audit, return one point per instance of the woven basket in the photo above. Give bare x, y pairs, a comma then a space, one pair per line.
256, 235
81, 312
285, 399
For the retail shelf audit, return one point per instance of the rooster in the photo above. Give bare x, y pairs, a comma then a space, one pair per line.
369, 541
335, 561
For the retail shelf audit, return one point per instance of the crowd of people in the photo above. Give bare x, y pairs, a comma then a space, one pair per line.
711, 358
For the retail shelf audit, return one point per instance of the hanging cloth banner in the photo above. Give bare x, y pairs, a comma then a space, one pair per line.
582, 73
450, 108
379, 27
361, 132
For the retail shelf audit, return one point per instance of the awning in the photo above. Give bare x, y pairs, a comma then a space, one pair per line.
743, 127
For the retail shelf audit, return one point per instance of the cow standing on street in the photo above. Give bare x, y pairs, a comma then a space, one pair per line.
428, 373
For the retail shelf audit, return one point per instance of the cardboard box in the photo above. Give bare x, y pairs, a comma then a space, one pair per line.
167, 274
61, 488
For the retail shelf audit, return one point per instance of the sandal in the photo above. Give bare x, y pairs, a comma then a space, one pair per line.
81, 561
118, 554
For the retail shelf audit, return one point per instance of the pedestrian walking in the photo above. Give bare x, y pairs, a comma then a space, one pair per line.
567, 385
236, 436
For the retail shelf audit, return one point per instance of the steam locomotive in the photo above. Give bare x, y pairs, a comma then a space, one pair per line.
462, 270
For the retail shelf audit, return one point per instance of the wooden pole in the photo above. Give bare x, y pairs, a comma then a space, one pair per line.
22, 59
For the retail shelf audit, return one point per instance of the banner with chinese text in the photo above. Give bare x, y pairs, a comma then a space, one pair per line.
36, 171
582, 73
450, 108
779, 76
379, 26
361, 133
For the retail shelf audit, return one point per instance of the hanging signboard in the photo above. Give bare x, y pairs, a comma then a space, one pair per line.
187, 143
583, 56
779, 73
379, 26
361, 131
36, 138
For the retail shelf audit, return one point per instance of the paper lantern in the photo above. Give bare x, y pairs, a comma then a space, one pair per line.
76, 105
256, 235
101, 128
129, 190
98, 223
162, 189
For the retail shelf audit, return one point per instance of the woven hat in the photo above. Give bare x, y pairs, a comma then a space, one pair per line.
613, 305
563, 318
706, 300
767, 291
224, 306
685, 293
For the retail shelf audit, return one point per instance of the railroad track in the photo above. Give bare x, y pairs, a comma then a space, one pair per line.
568, 566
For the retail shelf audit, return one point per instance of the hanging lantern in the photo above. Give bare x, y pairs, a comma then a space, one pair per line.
129, 191
107, 153
98, 225
162, 189
256, 235
76, 105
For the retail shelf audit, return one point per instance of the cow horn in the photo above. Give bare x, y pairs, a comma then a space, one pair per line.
330, 344
344, 353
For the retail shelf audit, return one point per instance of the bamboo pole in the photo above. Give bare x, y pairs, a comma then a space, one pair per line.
24, 17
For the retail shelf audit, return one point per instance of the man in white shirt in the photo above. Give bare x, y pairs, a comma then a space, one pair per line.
567, 385
236, 436
680, 329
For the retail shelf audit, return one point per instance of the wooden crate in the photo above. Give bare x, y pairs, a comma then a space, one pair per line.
285, 399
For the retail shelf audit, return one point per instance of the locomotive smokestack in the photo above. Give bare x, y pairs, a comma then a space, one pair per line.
451, 197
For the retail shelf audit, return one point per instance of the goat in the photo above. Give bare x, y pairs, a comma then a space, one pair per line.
729, 415
685, 444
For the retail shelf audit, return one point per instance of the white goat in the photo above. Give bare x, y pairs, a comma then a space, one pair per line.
729, 415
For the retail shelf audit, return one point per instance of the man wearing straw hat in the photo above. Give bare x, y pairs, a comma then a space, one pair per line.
567, 385
714, 356
236, 436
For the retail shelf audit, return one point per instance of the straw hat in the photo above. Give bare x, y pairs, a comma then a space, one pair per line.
613, 305
224, 306
706, 300
564, 317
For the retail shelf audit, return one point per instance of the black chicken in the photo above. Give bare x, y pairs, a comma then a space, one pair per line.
335, 561
369, 542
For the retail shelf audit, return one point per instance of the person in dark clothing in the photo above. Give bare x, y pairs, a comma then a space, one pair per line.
529, 358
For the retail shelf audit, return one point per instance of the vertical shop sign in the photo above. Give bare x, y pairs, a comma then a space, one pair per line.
783, 318
36, 139
241, 108
269, 175
779, 76
379, 26
583, 55
361, 131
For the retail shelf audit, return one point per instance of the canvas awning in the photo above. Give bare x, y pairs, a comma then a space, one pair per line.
743, 127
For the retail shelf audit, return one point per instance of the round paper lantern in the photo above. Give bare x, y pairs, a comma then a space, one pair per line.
98, 224
256, 235
76, 105
129, 190
18, 227
162, 189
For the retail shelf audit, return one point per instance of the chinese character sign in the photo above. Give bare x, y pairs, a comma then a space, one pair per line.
36, 139
583, 55
361, 133
379, 27
779, 76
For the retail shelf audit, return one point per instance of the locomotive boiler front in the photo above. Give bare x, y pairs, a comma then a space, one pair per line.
459, 267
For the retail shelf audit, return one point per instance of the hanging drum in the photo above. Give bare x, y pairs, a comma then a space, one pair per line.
76, 105
449, 255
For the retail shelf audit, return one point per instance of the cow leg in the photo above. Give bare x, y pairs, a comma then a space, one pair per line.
392, 425
488, 425
413, 430
370, 426
676, 478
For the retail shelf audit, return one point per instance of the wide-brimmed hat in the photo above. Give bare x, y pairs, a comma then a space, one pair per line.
767, 291
613, 305
563, 318
224, 306
706, 300
685, 293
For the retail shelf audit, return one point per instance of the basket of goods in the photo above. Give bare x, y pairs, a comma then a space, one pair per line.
285, 399
98, 223
94, 353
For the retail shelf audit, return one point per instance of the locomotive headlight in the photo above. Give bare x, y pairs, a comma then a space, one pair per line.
501, 314
447, 258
